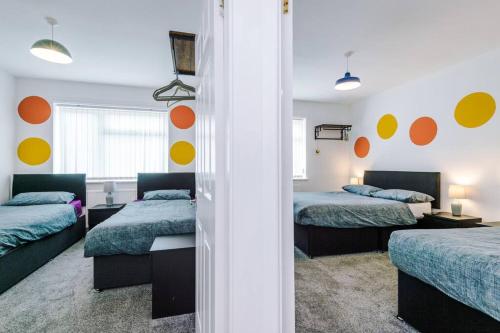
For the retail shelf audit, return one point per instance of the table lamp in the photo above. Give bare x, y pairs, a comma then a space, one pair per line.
456, 192
109, 188
354, 181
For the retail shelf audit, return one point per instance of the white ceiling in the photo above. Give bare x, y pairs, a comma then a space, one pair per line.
126, 41
112, 41
395, 41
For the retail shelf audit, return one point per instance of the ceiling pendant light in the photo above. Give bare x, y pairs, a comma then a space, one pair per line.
348, 82
49, 49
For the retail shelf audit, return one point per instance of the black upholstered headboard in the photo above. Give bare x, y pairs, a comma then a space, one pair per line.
425, 182
165, 181
74, 183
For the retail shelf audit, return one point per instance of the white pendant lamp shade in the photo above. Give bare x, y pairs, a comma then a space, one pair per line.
50, 50
348, 82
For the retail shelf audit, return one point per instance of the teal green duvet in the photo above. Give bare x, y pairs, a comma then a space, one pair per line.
23, 224
462, 263
348, 210
133, 229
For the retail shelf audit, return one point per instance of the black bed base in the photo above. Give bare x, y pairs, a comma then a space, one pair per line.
320, 241
429, 310
25, 259
121, 270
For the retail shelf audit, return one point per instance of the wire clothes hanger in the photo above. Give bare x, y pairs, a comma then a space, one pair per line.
180, 87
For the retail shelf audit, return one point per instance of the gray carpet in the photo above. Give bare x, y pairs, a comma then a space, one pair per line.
347, 293
59, 297
351, 293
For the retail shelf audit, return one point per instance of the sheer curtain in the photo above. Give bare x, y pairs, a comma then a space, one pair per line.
109, 142
299, 148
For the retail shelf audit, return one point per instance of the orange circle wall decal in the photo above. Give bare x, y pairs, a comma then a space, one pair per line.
33, 151
182, 117
362, 147
423, 131
34, 110
387, 126
475, 109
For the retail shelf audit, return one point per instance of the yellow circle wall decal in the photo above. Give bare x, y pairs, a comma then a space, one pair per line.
475, 109
182, 152
387, 126
33, 151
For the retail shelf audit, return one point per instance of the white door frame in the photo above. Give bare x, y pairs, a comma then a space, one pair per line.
251, 265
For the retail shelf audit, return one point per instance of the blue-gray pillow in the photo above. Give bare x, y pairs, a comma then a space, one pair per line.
167, 195
366, 190
403, 196
40, 198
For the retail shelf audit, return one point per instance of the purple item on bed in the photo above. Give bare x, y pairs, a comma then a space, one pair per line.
77, 204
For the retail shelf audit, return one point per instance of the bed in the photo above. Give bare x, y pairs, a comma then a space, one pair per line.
18, 262
324, 237
120, 245
449, 279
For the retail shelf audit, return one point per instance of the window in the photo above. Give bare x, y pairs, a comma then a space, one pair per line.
299, 148
109, 142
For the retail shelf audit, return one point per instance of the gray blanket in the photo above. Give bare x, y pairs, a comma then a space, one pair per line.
348, 210
133, 229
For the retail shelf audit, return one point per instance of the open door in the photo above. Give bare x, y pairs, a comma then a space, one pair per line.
244, 168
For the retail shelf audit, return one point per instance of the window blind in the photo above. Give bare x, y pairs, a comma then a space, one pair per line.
106, 142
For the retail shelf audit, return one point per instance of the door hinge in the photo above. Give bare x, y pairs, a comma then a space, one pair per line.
285, 6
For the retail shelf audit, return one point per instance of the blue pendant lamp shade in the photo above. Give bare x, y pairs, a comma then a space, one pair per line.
348, 82
49, 49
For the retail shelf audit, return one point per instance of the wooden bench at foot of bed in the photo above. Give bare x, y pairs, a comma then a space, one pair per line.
173, 260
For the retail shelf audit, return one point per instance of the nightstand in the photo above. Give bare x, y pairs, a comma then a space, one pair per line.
99, 213
444, 220
489, 224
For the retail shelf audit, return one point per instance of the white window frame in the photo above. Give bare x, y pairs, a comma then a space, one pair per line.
55, 107
302, 176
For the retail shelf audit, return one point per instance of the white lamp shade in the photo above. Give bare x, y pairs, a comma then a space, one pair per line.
456, 192
109, 187
52, 51
354, 181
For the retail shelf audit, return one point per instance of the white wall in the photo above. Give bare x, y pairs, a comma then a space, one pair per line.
463, 155
328, 170
7, 132
55, 91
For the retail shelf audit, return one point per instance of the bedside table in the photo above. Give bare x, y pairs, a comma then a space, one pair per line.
444, 220
489, 224
99, 213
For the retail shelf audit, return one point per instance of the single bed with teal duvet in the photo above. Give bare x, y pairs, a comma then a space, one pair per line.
463, 263
20, 225
133, 229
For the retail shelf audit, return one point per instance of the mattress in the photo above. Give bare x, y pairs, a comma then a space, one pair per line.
23, 224
418, 209
462, 263
133, 229
348, 210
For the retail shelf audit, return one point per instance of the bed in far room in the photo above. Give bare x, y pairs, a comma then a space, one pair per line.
43, 218
329, 223
448, 279
120, 245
